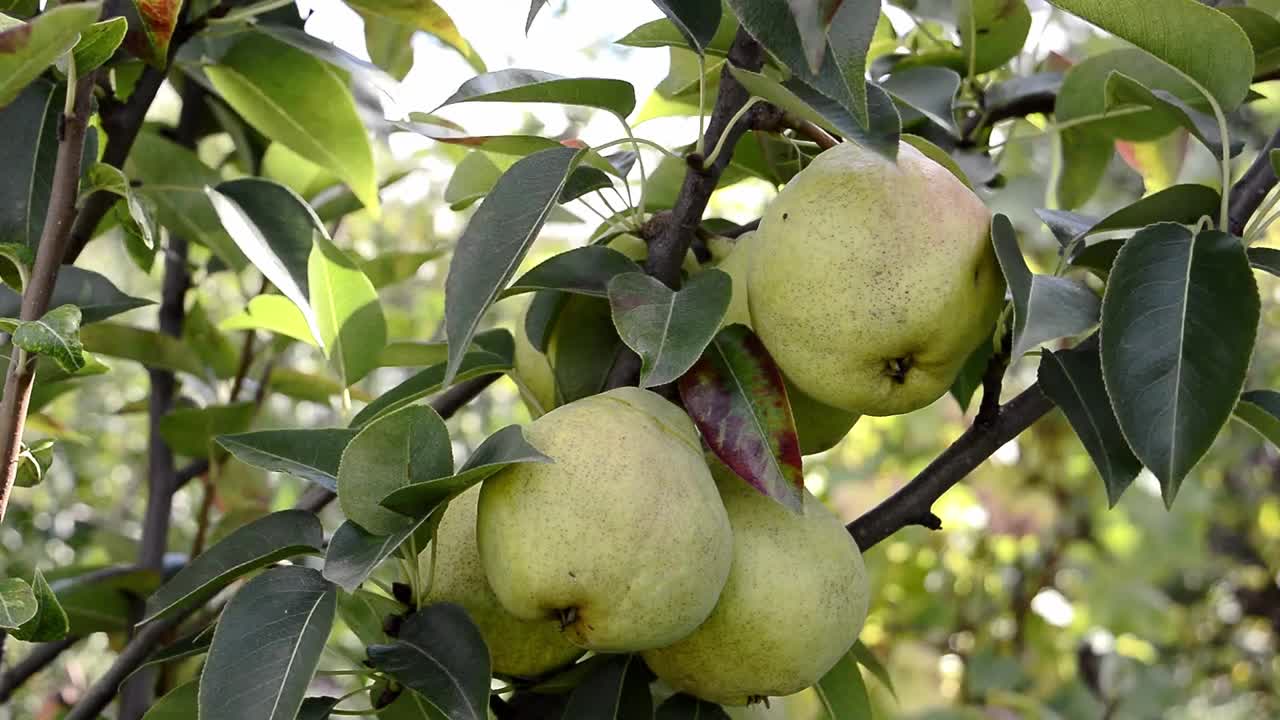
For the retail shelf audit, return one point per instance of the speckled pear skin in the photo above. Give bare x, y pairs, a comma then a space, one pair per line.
519, 648
794, 604
872, 282
624, 536
819, 426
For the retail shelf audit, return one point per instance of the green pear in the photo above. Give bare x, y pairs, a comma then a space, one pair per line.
520, 648
794, 604
533, 373
872, 281
818, 425
623, 539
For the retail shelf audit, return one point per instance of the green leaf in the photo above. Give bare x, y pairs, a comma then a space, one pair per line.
995, 31
926, 92
696, 20
267, 646
1085, 155
1161, 27
301, 102
427, 16
28, 48
29, 125
366, 77
736, 396
275, 229
852, 26
396, 266
158, 19
688, 707
278, 536
102, 600
441, 655
192, 645
1083, 95
98, 43
617, 689
50, 622
970, 377
57, 335
516, 85
500, 450
1179, 320
273, 313
390, 44
354, 553
17, 603
472, 179
180, 703
585, 270
34, 460
496, 240
213, 347
843, 692
398, 449
148, 347
191, 431
1263, 258
174, 179
668, 329
938, 155
348, 313
665, 33
813, 17
366, 614
1183, 204
430, 381
1260, 410
1045, 307
585, 349
311, 454
1123, 91
1073, 381
95, 295
868, 660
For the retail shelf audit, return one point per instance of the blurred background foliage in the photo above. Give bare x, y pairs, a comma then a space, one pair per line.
1034, 601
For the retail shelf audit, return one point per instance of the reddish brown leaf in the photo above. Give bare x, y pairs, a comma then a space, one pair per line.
159, 18
736, 396
15, 38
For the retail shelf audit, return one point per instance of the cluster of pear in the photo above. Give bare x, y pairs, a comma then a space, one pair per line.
870, 282
630, 541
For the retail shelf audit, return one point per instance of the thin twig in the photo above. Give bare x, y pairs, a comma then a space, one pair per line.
99, 695
35, 297
38, 659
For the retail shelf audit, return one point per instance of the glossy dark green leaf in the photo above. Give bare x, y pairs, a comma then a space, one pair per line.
688, 707
615, 690
293, 98
1260, 410
50, 622
354, 553
191, 431
970, 377
1123, 91
441, 655
1045, 307
500, 450
1179, 320
18, 603
1161, 26
29, 125
180, 703
736, 396
56, 334
275, 537
668, 328
1184, 204
843, 693
274, 228
98, 43
401, 448
317, 708
881, 136
366, 613
927, 92
95, 295
1263, 258
496, 240
31, 47
585, 270
697, 20
1003, 96
430, 381
192, 645
311, 454
1098, 256
1065, 225
1072, 379
586, 346
516, 85
267, 645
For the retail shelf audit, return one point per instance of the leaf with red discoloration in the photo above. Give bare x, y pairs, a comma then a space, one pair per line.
15, 38
159, 18
736, 397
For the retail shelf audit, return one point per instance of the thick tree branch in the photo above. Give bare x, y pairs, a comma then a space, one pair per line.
1248, 192
911, 504
35, 297
38, 659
